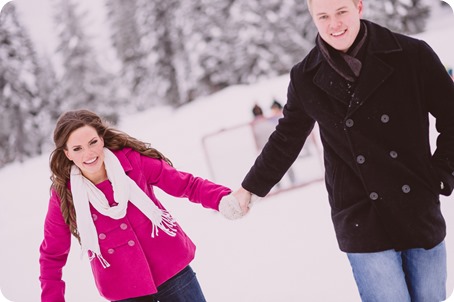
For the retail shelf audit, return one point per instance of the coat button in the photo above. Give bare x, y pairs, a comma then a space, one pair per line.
360, 159
393, 154
406, 189
131, 243
384, 118
123, 226
373, 196
102, 236
349, 123
111, 251
95, 217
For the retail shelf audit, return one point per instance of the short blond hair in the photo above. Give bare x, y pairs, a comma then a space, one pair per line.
309, 4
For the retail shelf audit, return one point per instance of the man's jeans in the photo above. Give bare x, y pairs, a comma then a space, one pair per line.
415, 275
183, 287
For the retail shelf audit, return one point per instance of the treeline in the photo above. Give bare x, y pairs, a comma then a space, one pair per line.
169, 52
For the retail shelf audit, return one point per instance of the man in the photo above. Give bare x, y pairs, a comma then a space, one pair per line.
371, 91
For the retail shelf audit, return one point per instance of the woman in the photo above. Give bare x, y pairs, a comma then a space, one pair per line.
102, 193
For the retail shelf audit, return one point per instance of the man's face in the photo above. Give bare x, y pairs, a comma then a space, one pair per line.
337, 21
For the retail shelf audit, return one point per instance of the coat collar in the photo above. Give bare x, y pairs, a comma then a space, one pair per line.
381, 41
122, 156
373, 74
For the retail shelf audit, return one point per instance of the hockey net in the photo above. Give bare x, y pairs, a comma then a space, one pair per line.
231, 152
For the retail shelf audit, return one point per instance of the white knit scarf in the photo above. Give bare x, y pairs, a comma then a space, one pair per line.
125, 189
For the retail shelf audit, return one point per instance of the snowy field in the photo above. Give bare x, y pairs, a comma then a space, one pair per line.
284, 250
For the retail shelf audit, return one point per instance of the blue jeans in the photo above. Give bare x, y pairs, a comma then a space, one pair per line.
416, 275
183, 287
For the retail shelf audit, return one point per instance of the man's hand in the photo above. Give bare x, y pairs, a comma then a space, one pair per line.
244, 198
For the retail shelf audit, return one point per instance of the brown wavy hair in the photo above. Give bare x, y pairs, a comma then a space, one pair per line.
60, 165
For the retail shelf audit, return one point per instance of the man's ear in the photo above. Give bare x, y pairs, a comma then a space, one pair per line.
360, 8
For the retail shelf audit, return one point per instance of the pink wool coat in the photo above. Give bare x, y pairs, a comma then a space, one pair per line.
138, 262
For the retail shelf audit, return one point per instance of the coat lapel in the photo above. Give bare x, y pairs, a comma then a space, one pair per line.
373, 74
332, 83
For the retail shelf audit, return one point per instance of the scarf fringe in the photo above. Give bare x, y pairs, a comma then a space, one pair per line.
167, 223
101, 259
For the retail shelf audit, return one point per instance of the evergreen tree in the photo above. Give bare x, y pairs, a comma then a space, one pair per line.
233, 42
404, 16
126, 40
84, 83
271, 37
208, 36
159, 41
49, 111
19, 100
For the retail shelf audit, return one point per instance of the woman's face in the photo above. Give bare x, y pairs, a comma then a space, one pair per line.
85, 149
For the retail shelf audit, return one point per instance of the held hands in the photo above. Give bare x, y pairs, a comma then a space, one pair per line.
236, 205
230, 207
246, 199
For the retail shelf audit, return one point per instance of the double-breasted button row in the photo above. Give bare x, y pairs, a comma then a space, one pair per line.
384, 118
103, 236
361, 159
130, 243
374, 195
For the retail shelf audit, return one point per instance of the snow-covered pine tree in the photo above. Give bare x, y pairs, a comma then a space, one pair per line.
271, 37
84, 82
206, 29
158, 40
125, 38
48, 90
20, 103
404, 16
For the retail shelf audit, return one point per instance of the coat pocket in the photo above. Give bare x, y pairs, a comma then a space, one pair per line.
347, 189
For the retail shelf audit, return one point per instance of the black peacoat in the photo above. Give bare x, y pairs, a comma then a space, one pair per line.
383, 180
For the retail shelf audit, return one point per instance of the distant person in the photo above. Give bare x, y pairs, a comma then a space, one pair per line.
371, 91
103, 194
262, 127
276, 110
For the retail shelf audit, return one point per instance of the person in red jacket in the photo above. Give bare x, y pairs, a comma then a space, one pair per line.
102, 193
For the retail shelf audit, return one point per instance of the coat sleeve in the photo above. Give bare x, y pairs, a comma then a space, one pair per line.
439, 95
54, 252
183, 184
284, 144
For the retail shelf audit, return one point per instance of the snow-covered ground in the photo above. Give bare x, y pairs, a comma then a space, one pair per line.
284, 250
